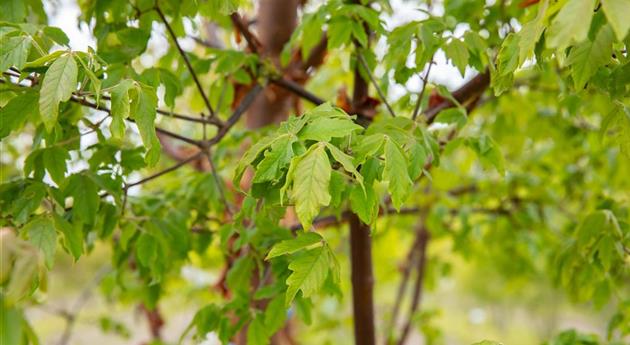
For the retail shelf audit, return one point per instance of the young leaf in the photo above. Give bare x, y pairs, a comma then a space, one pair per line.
396, 173
14, 51
145, 106
571, 24
146, 249
452, 116
41, 232
530, 34
55, 162
310, 191
303, 240
120, 108
345, 161
250, 156
325, 128
586, 57
85, 197
309, 272
15, 113
59, 83
275, 314
458, 53
364, 203
618, 14
270, 167
73, 238
257, 333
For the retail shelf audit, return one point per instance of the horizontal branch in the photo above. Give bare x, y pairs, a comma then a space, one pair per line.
470, 90
95, 106
166, 171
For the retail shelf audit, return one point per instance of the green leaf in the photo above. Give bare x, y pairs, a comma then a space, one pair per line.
571, 24
270, 167
309, 271
250, 156
41, 232
339, 32
457, 51
488, 342
59, 83
364, 203
586, 57
57, 35
530, 33
310, 190
325, 128
452, 116
507, 62
257, 333
345, 161
488, 152
85, 197
146, 249
144, 106
14, 51
55, 162
73, 237
12, 11
120, 108
396, 173
15, 113
303, 240
239, 276
617, 125
618, 14
275, 314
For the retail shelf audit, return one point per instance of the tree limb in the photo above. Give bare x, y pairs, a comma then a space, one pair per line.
206, 100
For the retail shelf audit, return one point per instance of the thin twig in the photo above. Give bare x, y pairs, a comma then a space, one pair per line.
375, 83
410, 262
89, 104
165, 171
71, 316
206, 100
217, 181
424, 237
425, 81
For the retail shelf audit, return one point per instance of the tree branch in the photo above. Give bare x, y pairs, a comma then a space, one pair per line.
410, 262
165, 171
473, 88
375, 83
236, 115
423, 240
95, 106
206, 100
425, 81
252, 41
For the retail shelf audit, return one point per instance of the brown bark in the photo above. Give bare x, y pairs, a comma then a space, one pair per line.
275, 21
362, 282
361, 250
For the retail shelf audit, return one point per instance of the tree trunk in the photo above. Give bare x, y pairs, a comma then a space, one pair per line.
275, 21
362, 282
361, 250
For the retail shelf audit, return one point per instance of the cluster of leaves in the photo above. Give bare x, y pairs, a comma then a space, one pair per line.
321, 162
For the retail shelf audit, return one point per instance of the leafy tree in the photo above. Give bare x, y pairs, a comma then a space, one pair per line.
238, 155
